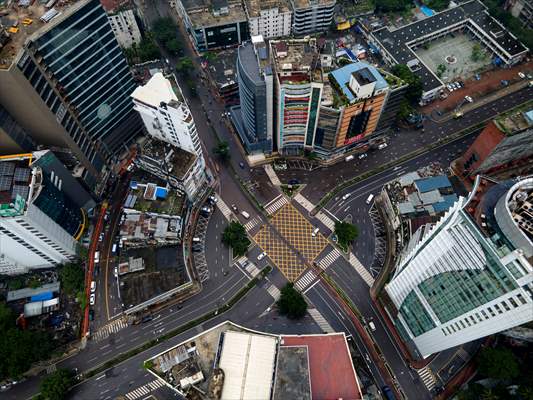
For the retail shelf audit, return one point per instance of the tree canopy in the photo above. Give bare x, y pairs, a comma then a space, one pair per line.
346, 233
498, 363
146, 50
165, 33
386, 6
57, 385
19, 348
291, 302
184, 66
414, 91
71, 277
437, 5
235, 236
222, 150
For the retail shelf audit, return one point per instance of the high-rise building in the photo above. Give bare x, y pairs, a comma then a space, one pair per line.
253, 117
521, 9
64, 79
298, 85
168, 119
42, 212
214, 24
470, 275
13, 138
312, 15
121, 14
269, 18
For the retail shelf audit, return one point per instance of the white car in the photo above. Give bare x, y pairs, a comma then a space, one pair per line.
261, 256
522, 75
361, 156
382, 146
450, 87
469, 99
92, 299
93, 286
346, 196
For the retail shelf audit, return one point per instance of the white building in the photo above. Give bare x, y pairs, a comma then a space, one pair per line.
125, 27
41, 217
269, 18
469, 276
168, 118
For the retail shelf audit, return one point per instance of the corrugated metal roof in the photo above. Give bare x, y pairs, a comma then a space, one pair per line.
342, 76
432, 183
248, 364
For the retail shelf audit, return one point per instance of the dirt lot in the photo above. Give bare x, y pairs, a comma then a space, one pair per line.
490, 82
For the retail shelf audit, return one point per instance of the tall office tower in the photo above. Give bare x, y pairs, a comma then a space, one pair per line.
13, 138
167, 118
470, 275
42, 212
312, 15
253, 117
298, 85
63, 77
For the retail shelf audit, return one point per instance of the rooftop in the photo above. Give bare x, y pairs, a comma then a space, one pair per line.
292, 374
297, 56
116, 5
397, 42
254, 7
15, 179
158, 90
342, 77
309, 3
23, 17
332, 374
254, 60
514, 122
176, 160
205, 13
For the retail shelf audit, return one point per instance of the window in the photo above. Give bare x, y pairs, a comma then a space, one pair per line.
507, 308
513, 302
492, 313
521, 298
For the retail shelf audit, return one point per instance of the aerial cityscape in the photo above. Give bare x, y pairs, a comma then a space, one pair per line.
266, 200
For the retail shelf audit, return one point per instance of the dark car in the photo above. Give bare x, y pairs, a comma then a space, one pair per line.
146, 318
294, 182
91, 315
388, 393
241, 164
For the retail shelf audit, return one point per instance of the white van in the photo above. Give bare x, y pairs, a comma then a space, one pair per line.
96, 257
245, 214
315, 231
93, 286
369, 199
372, 326
349, 158
114, 249
196, 240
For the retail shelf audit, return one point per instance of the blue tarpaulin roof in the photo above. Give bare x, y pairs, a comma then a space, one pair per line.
42, 296
442, 206
432, 183
427, 11
161, 192
133, 184
342, 76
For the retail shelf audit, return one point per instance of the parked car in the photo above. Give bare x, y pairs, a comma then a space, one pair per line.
449, 87
245, 214
241, 164
477, 77
361, 156
92, 299
315, 232
234, 208
294, 182
91, 315
382, 146
522, 75
469, 99
93, 286
212, 200
504, 82
349, 158
372, 326
261, 256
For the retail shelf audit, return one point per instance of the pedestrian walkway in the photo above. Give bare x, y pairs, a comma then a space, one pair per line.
108, 329
362, 271
252, 269
329, 258
252, 224
274, 292
272, 175
306, 280
144, 390
320, 320
51, 369
326, 220
275, 204
223, 207
300, 199
427, 377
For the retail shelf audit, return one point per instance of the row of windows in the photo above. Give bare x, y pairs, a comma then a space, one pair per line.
43, 237
493, 310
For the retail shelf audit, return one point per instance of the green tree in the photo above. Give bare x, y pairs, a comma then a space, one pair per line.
235, 236
405, 110
386, 6
173, 46
164, 30
498, 363
57, 385
222, 150
473, 392
291, 302
72, 278
437, 5
346, 233
184, 66
148, 50
414, 91
477, 52
441, 69
525, 392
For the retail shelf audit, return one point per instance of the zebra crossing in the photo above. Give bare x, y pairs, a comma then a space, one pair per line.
329, 258
306, 280
325, 220
274, 292
224, 209
272, 175
276, 204
51, 369
108, 329
427, 377
252, 269
320, 320
362, 271
144, 390
304, 202
252, 224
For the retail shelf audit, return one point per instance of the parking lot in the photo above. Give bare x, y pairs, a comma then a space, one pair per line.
295, 228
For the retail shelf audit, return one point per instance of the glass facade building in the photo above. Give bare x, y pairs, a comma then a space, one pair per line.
466, 278
77, 68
